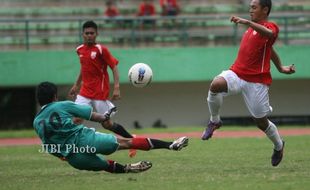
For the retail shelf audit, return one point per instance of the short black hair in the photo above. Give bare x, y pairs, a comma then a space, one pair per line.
90, 24
46, 92
266, 3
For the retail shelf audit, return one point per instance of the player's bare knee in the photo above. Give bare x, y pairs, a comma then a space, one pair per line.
218, 85
107, 125
262, 123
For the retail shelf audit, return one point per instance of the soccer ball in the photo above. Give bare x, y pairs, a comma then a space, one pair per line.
140, 75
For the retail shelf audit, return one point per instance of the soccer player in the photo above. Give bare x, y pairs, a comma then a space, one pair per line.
147, 9
81, 146
93, 79
111, 9
169, 7
250, 75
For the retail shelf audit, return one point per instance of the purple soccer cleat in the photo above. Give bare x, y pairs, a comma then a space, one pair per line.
208, 132
277, 156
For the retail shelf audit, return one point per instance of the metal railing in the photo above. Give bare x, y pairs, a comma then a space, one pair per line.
61, 33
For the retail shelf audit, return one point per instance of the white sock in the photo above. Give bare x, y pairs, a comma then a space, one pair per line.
273, 134
215, 101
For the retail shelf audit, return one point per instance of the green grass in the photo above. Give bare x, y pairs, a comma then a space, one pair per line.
18, 133
230, 163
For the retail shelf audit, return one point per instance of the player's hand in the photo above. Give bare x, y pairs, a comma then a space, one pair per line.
116, 94
288, 69
73, 91
238, 20
116, 97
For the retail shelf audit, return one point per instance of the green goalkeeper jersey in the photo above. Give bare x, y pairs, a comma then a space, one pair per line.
55, 127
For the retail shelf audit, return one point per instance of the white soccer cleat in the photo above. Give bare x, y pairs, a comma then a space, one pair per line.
111, 112
138, 167
179, 143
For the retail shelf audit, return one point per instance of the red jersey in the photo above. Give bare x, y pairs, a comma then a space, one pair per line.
172, 3
146, 9
253, 61
94, 61
111, 12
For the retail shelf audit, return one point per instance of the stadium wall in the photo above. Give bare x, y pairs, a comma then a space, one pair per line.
168, 64
178, 93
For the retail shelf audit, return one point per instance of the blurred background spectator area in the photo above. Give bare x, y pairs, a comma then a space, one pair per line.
62, 8
50, 24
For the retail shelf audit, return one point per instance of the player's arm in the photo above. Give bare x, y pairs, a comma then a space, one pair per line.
277, 62
98, 117
116, 91
86, 112
75, 88
257, 27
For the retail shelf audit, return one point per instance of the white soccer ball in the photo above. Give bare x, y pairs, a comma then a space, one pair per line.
140, 75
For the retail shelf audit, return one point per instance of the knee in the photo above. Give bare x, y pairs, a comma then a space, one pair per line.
107, 125
262, 123
218, 85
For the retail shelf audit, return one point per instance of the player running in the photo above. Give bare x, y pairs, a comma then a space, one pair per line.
92, 86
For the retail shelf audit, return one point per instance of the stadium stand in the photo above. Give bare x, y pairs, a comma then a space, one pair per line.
51, 24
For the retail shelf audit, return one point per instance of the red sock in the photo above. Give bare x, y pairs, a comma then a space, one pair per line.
141, 143
115, 167
111, 166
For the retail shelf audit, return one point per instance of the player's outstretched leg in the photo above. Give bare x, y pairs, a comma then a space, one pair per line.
115, 167
141, 143
215, 101
273, 134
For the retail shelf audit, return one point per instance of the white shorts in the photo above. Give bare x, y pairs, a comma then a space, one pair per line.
255, 95
100, 106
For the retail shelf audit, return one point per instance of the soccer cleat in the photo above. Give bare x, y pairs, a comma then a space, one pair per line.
208, 132
138, 167
108, 114
277, 156
179, 143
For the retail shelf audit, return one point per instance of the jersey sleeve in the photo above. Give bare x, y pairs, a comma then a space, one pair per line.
108, 58
275, 29
82, 111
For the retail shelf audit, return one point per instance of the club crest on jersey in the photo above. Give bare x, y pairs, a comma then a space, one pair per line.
93, 54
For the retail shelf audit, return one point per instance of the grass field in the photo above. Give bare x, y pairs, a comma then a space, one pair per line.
221, 163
